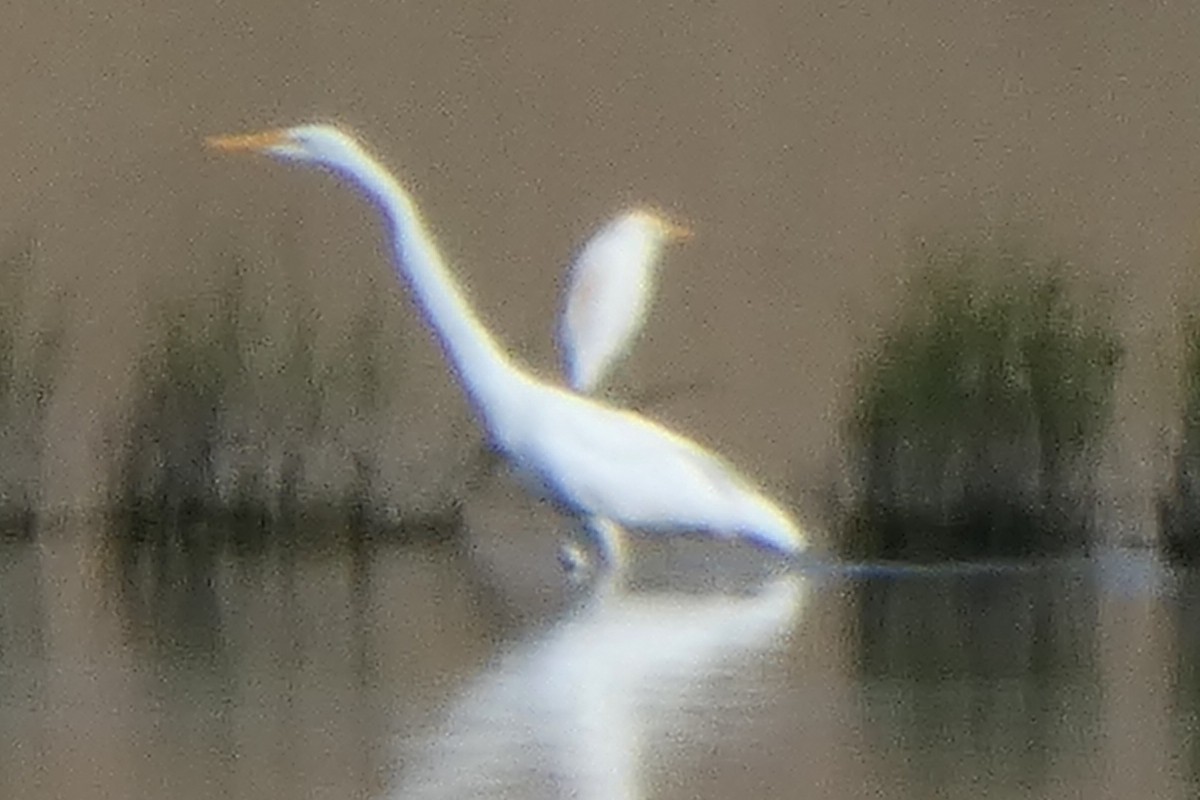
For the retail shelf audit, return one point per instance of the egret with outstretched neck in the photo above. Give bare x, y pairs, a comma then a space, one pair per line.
603, 466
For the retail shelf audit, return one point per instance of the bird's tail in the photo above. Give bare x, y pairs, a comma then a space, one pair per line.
775, 530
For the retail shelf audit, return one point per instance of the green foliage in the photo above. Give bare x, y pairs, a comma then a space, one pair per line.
231, 408
1179, 508
30, 346
236, 402
977, 422
184, 385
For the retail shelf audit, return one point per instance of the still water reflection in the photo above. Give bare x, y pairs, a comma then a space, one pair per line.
346, 668
585, 709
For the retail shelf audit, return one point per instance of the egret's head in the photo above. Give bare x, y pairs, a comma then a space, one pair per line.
320, 144
657, 230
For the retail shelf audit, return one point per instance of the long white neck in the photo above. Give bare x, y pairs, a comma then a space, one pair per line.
492, 381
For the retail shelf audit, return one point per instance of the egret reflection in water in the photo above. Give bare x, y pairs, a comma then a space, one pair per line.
580, 710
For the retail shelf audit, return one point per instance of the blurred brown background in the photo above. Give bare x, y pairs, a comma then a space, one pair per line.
810, 147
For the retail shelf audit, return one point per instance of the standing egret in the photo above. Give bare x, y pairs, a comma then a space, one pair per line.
604, 466
608, 292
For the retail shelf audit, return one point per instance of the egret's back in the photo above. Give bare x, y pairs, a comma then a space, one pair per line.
610, 463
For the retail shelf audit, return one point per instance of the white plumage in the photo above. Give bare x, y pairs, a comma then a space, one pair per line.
609, 290
598, 463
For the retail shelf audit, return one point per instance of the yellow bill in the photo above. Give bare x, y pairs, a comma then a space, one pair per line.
670, 230
247, 141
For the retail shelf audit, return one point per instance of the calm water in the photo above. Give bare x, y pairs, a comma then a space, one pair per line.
345, 669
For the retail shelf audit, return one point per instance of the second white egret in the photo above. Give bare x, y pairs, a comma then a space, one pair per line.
608, 293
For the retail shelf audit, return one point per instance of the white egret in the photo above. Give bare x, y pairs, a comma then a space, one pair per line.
604, 466
608, 292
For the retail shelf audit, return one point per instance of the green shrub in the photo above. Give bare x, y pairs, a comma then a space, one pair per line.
1179, 506
30, 346
235, 403
978, 418
183, 387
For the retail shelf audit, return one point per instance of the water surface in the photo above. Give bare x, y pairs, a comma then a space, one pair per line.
351, 668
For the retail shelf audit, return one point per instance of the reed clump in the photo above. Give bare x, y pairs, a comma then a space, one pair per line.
977, 421
1179, 504
240, 420
30, 363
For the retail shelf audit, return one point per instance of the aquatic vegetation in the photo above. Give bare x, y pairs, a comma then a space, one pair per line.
185, 382
978, 418
1179, 505
30, 342
235, 404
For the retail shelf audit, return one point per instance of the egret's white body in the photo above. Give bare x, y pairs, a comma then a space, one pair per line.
608, 292
598, 463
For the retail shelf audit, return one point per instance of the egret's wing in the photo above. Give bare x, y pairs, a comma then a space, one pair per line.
624, 467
